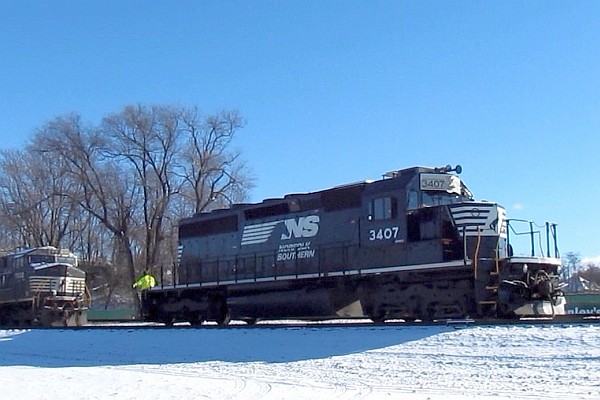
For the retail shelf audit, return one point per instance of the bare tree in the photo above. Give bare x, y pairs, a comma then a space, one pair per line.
116, 192
147, 139
90, 239
32, 202
108, 192
213, 174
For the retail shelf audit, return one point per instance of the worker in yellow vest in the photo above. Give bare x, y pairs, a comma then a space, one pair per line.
145, 281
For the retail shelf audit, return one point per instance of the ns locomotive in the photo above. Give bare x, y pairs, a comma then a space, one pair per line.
42, 286
412, 245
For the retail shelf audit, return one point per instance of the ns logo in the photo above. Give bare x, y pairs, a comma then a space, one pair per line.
303, 227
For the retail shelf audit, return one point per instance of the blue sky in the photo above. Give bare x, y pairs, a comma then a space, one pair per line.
340, 91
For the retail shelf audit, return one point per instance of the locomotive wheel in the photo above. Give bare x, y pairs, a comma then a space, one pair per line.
219, 311
196, 319
69, 318
430, 312
166, 318
78, 319
224, 316
378, 316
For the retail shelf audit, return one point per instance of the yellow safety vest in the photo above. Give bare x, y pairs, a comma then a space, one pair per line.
144, 282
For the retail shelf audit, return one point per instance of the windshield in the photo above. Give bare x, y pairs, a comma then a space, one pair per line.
436, 197
41, 259
440, 199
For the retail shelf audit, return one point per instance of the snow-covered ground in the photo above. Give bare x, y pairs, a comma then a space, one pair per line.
313, 362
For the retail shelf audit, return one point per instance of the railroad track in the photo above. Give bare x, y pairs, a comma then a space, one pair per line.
286, 324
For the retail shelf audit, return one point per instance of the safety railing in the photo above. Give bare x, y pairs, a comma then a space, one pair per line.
318, 262
542, 239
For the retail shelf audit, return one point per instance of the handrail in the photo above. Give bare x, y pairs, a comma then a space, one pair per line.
551, 238
261, 261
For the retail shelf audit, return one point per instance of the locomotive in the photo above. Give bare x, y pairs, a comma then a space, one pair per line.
413, 245
42, 286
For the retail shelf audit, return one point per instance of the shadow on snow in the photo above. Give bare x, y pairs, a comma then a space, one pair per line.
92, 347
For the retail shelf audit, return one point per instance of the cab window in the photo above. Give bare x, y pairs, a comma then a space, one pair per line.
413, 200
383, 208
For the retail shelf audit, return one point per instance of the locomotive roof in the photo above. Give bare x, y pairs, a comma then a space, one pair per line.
43, 250
41, 266
312, 200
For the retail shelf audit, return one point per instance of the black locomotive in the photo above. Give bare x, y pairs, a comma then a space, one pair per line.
412, 245
42, 286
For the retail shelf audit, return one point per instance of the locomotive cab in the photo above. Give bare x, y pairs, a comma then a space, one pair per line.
504, 285
444, 224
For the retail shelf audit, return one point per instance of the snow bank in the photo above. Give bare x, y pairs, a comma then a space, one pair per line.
304, 363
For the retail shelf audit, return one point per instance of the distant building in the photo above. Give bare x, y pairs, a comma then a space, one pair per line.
577, 284
582, 295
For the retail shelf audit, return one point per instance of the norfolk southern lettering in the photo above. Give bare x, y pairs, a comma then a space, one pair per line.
295, 250
302, 227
